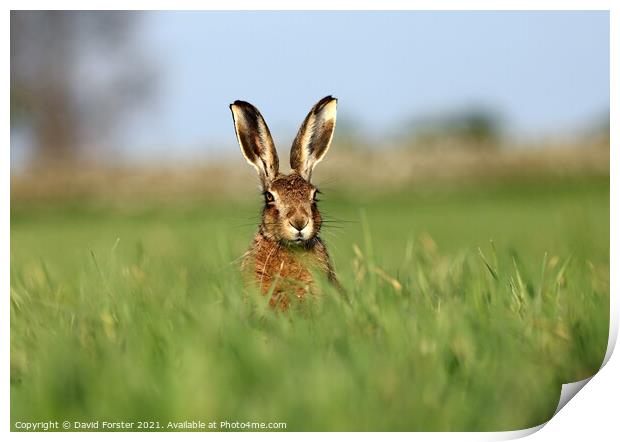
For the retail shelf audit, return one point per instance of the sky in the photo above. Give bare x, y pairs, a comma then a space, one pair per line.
544, 73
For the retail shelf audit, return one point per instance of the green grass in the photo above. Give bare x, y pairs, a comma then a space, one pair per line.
468, 311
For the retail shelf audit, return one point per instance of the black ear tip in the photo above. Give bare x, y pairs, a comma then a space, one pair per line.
325, 100
242, 103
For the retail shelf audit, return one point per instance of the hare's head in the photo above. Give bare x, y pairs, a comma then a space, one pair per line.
290, 214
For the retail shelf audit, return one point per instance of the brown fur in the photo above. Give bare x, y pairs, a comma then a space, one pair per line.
287, 251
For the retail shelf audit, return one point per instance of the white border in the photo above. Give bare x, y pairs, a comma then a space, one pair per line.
596, 402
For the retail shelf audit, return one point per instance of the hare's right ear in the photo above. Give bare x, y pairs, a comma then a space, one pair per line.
255, 140
314, 137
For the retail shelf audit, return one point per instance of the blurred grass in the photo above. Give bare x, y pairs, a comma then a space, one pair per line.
470, 307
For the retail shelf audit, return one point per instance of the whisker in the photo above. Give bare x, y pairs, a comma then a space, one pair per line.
337, 220
338, 223
243, 226
327, 216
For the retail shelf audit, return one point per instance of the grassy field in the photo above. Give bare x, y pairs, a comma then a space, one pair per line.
469, 308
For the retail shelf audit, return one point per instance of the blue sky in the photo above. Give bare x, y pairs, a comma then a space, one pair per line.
544, 72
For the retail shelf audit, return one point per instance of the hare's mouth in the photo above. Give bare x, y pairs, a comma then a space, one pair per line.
299, 240
298, 236
299, 243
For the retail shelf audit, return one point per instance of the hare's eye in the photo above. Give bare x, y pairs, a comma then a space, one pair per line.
269, 197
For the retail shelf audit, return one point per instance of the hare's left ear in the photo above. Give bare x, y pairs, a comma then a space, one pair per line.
314, 137
255, 140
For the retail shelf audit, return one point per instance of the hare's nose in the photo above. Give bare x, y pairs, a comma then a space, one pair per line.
299, 223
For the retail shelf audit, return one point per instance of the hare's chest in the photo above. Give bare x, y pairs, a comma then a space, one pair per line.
283, 272
285, 264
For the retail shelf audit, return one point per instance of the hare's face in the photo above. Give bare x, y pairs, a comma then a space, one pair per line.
291, 214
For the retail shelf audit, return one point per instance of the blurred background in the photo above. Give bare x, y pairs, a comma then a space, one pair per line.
118, 105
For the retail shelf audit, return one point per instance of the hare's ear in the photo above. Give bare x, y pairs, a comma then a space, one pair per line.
255, 140
314, 137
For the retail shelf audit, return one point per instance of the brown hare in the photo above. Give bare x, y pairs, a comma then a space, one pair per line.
287, 250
